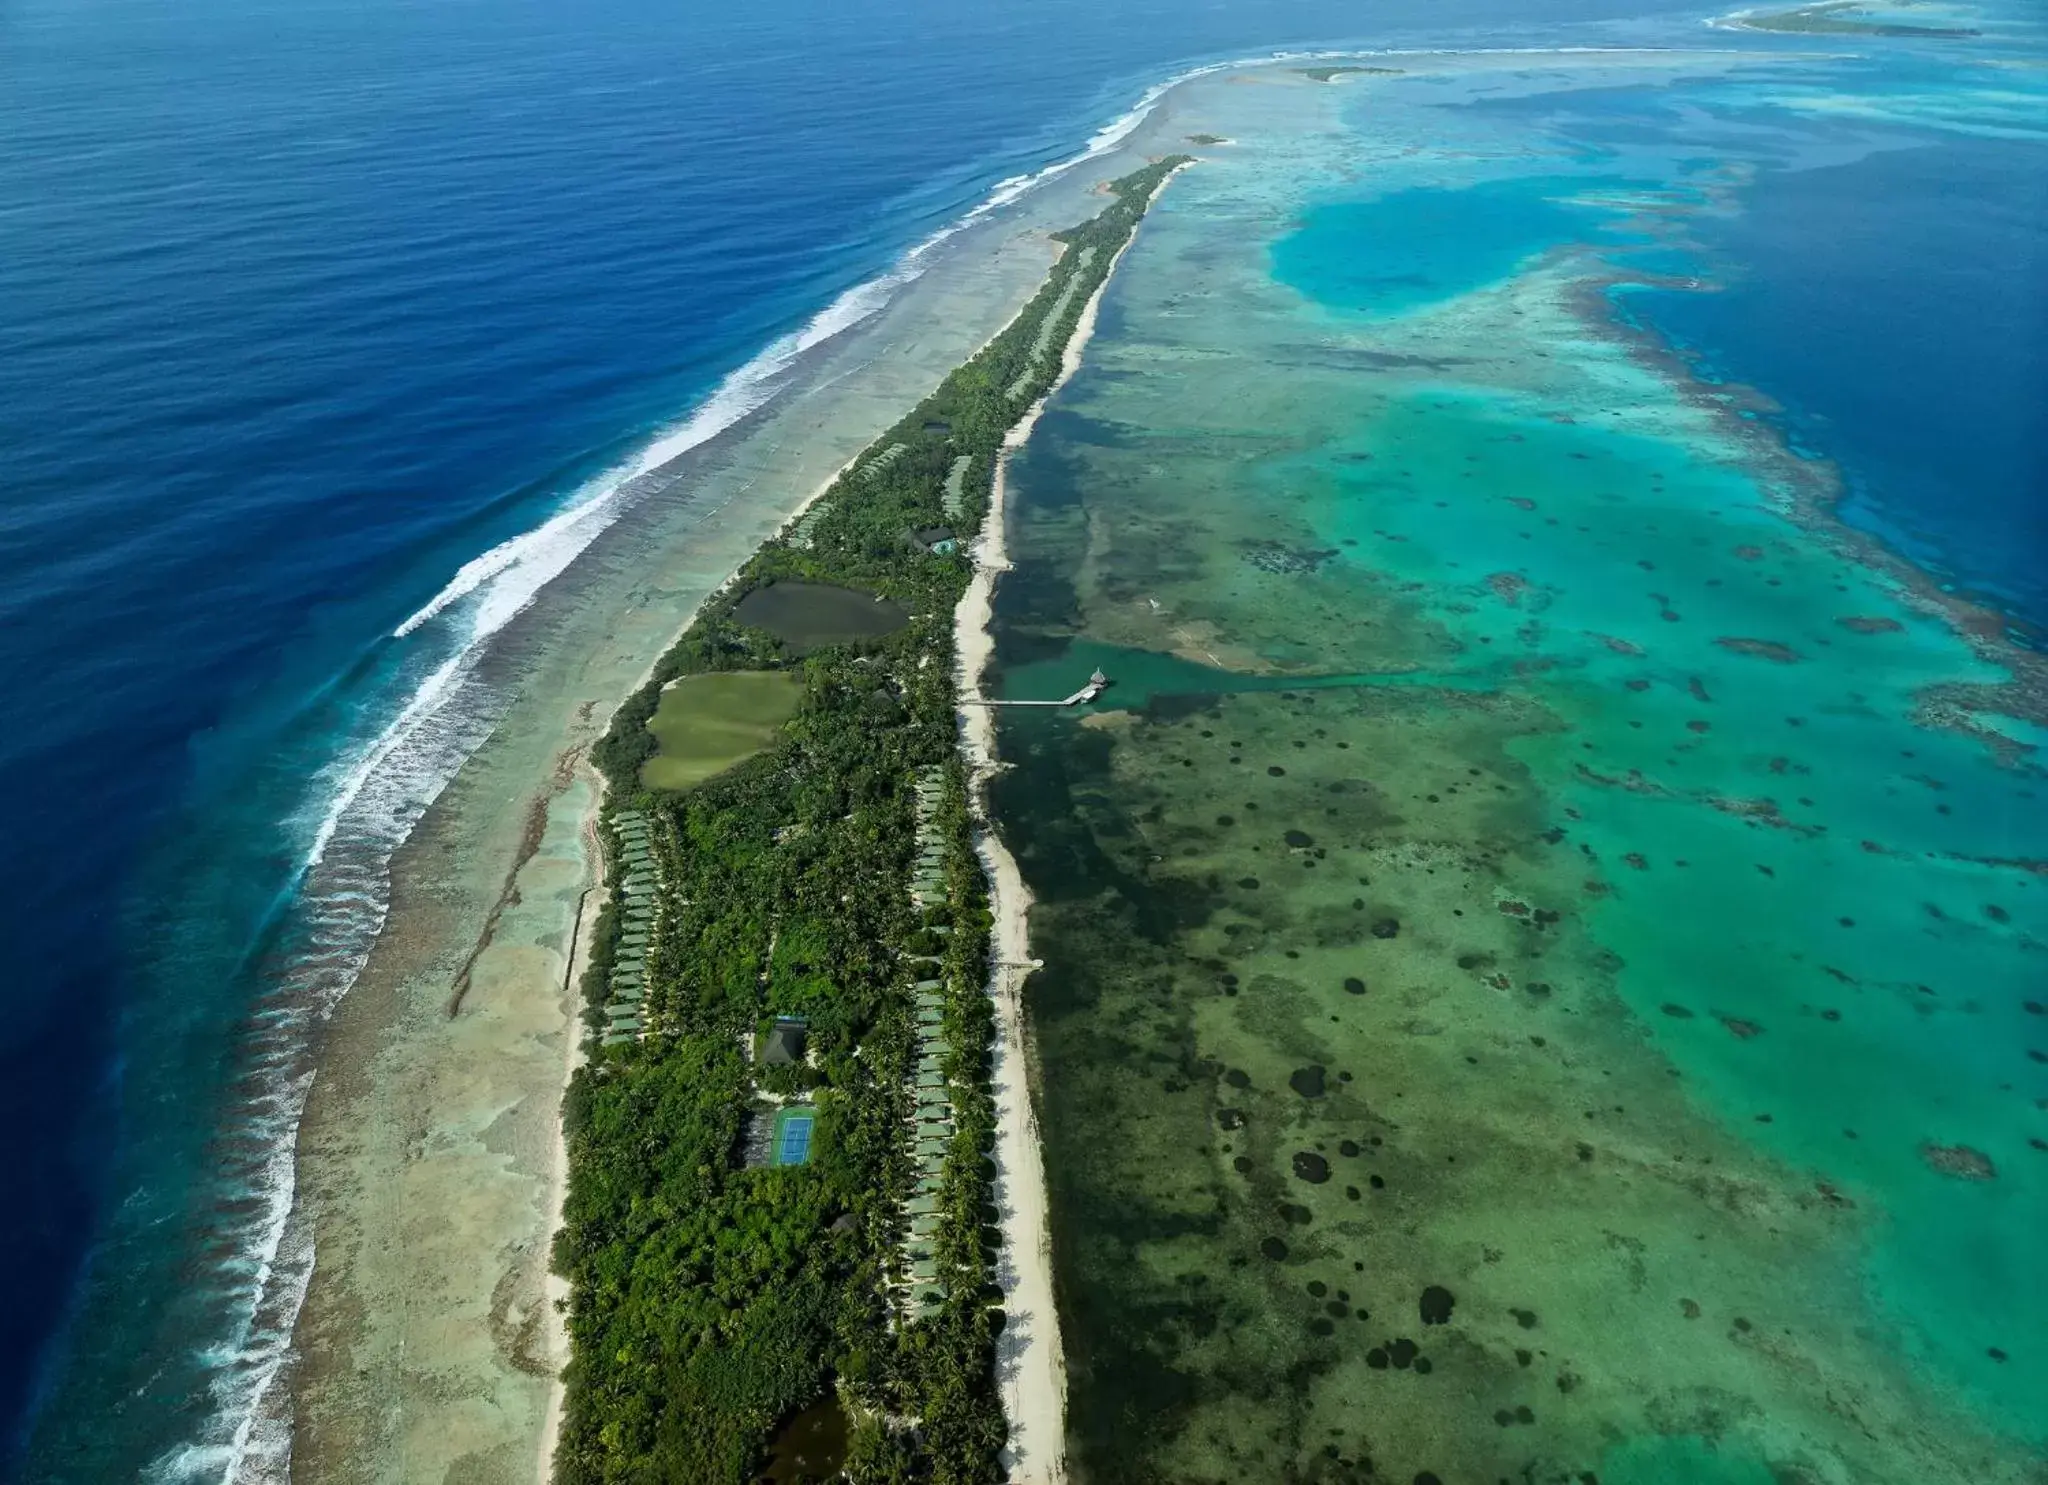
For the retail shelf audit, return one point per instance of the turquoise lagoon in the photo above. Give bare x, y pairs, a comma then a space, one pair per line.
1554, 913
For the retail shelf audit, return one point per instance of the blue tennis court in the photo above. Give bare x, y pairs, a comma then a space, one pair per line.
793, 1136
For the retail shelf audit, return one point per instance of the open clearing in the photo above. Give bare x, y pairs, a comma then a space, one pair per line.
707, 723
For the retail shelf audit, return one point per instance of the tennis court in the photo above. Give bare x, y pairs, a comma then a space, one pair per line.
793, 1136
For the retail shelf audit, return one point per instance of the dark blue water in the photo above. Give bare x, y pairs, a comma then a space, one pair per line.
302, 307
1882, 273
1901, 304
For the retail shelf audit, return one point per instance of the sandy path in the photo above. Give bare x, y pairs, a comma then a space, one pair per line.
1030, 1363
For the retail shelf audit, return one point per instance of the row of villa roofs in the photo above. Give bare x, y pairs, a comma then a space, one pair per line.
956, 488
883, 460
932, 1122
805, 529
928, 875
639, 882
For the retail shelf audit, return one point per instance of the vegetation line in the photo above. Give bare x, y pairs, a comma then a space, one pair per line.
812, 938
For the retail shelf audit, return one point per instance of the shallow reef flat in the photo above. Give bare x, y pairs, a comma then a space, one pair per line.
1537, 954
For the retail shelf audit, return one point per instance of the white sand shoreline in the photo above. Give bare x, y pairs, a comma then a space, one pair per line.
1031, 1363
555, 1325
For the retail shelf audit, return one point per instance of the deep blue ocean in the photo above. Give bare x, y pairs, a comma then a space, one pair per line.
304, 307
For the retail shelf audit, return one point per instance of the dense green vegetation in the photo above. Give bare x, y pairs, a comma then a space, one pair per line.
1330, 74
710, 1298
1847, 18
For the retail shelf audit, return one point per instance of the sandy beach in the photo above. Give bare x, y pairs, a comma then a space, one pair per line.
554, 1320
1030, 1362
429, 1157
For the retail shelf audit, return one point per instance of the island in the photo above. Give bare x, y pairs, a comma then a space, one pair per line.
780, 1231
1844, 18
1503, 774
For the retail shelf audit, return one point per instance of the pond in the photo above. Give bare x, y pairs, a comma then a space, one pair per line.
809, 616
811, 1445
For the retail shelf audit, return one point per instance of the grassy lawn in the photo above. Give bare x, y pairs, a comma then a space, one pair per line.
707, 723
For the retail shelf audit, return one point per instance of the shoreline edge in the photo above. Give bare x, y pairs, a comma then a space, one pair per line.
1032, 1359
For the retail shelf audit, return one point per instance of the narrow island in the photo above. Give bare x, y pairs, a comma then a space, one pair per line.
1331, 74
780, 1234
1843, 18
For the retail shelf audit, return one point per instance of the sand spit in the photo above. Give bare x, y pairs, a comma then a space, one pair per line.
1031, 1362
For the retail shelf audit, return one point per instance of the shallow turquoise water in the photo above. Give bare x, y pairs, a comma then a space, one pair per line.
1415, 246
1879, 908
1682, 963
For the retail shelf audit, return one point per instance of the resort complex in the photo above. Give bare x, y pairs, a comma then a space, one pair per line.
781, 1227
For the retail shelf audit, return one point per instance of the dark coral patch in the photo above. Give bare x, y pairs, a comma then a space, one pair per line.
1353, 985
1437, 1303
1274, 1249
1300, 840
1403, 1353
1230, 1118
1761, 649
1386, 927
1237, 1077
1960, 1161
1307, 1081
1311, 1167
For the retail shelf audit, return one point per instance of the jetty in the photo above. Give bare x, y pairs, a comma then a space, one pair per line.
1097, 684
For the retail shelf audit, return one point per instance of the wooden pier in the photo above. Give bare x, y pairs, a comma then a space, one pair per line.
1097, 684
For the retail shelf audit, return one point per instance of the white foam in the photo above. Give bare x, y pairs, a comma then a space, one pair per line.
517, 569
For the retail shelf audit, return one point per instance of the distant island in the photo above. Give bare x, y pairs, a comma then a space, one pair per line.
1330, 74
1841, 18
